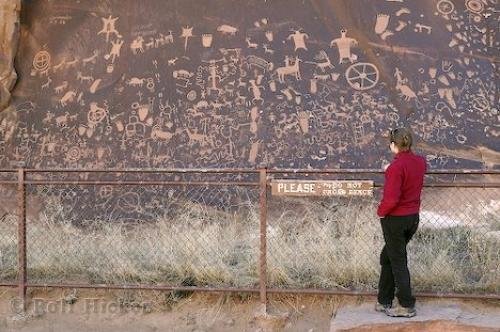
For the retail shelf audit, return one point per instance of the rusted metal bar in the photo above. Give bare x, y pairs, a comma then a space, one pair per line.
379, 171
263, 237
21, 238
9, 284
464, 171
147, 170
148, 287
462, 185
227, 183
452, 185
311, 291
324, 171
314, 291
247, 170
140, 183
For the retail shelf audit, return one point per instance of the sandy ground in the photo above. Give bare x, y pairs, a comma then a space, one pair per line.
88, 310
158, 311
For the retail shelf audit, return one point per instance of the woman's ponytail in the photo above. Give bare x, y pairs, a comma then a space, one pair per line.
402, 138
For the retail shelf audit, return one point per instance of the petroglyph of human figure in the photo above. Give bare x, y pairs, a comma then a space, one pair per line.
115, 50
187, 33
137, 45
109, 27
299, 38
344, 45
257, 94
213, 79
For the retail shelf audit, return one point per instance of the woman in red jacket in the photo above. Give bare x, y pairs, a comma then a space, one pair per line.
399, 213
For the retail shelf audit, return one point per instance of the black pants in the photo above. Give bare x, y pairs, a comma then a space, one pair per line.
395, 275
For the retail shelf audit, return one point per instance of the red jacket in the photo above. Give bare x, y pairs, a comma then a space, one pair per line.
404, 179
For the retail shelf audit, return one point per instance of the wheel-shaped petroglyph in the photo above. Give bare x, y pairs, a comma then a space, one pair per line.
475, 6
445, 7
362, 76
41, 61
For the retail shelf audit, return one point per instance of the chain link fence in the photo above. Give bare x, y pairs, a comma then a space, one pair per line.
204, 229
8, 228
336, 242
133, 232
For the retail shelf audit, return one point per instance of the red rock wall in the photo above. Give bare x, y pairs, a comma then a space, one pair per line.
224, 83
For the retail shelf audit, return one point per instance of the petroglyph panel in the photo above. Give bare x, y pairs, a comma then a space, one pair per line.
282, 83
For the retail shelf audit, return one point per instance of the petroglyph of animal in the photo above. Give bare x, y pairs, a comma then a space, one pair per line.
405, 90
164, 40
195, 137
172, 62
250, 44
68, 97
151, 44
322, 77
158, 134
218, 106
136, 82
92, 59
137, 45
59, 65
181, 73
62, 120
227, 29
72, 63
61, 88
46, 84
289, 70
267, 49
82, 78
326, 63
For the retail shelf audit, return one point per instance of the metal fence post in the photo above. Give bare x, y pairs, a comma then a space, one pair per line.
21, 238
263, 236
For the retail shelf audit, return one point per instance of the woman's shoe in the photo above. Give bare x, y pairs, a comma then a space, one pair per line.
400, 311
379, 307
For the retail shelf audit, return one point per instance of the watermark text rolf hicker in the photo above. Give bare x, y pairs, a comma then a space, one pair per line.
40, 306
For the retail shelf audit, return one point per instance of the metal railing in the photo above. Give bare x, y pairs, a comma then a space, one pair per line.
220, 230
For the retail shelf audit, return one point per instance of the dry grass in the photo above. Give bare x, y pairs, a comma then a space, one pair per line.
311, 243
